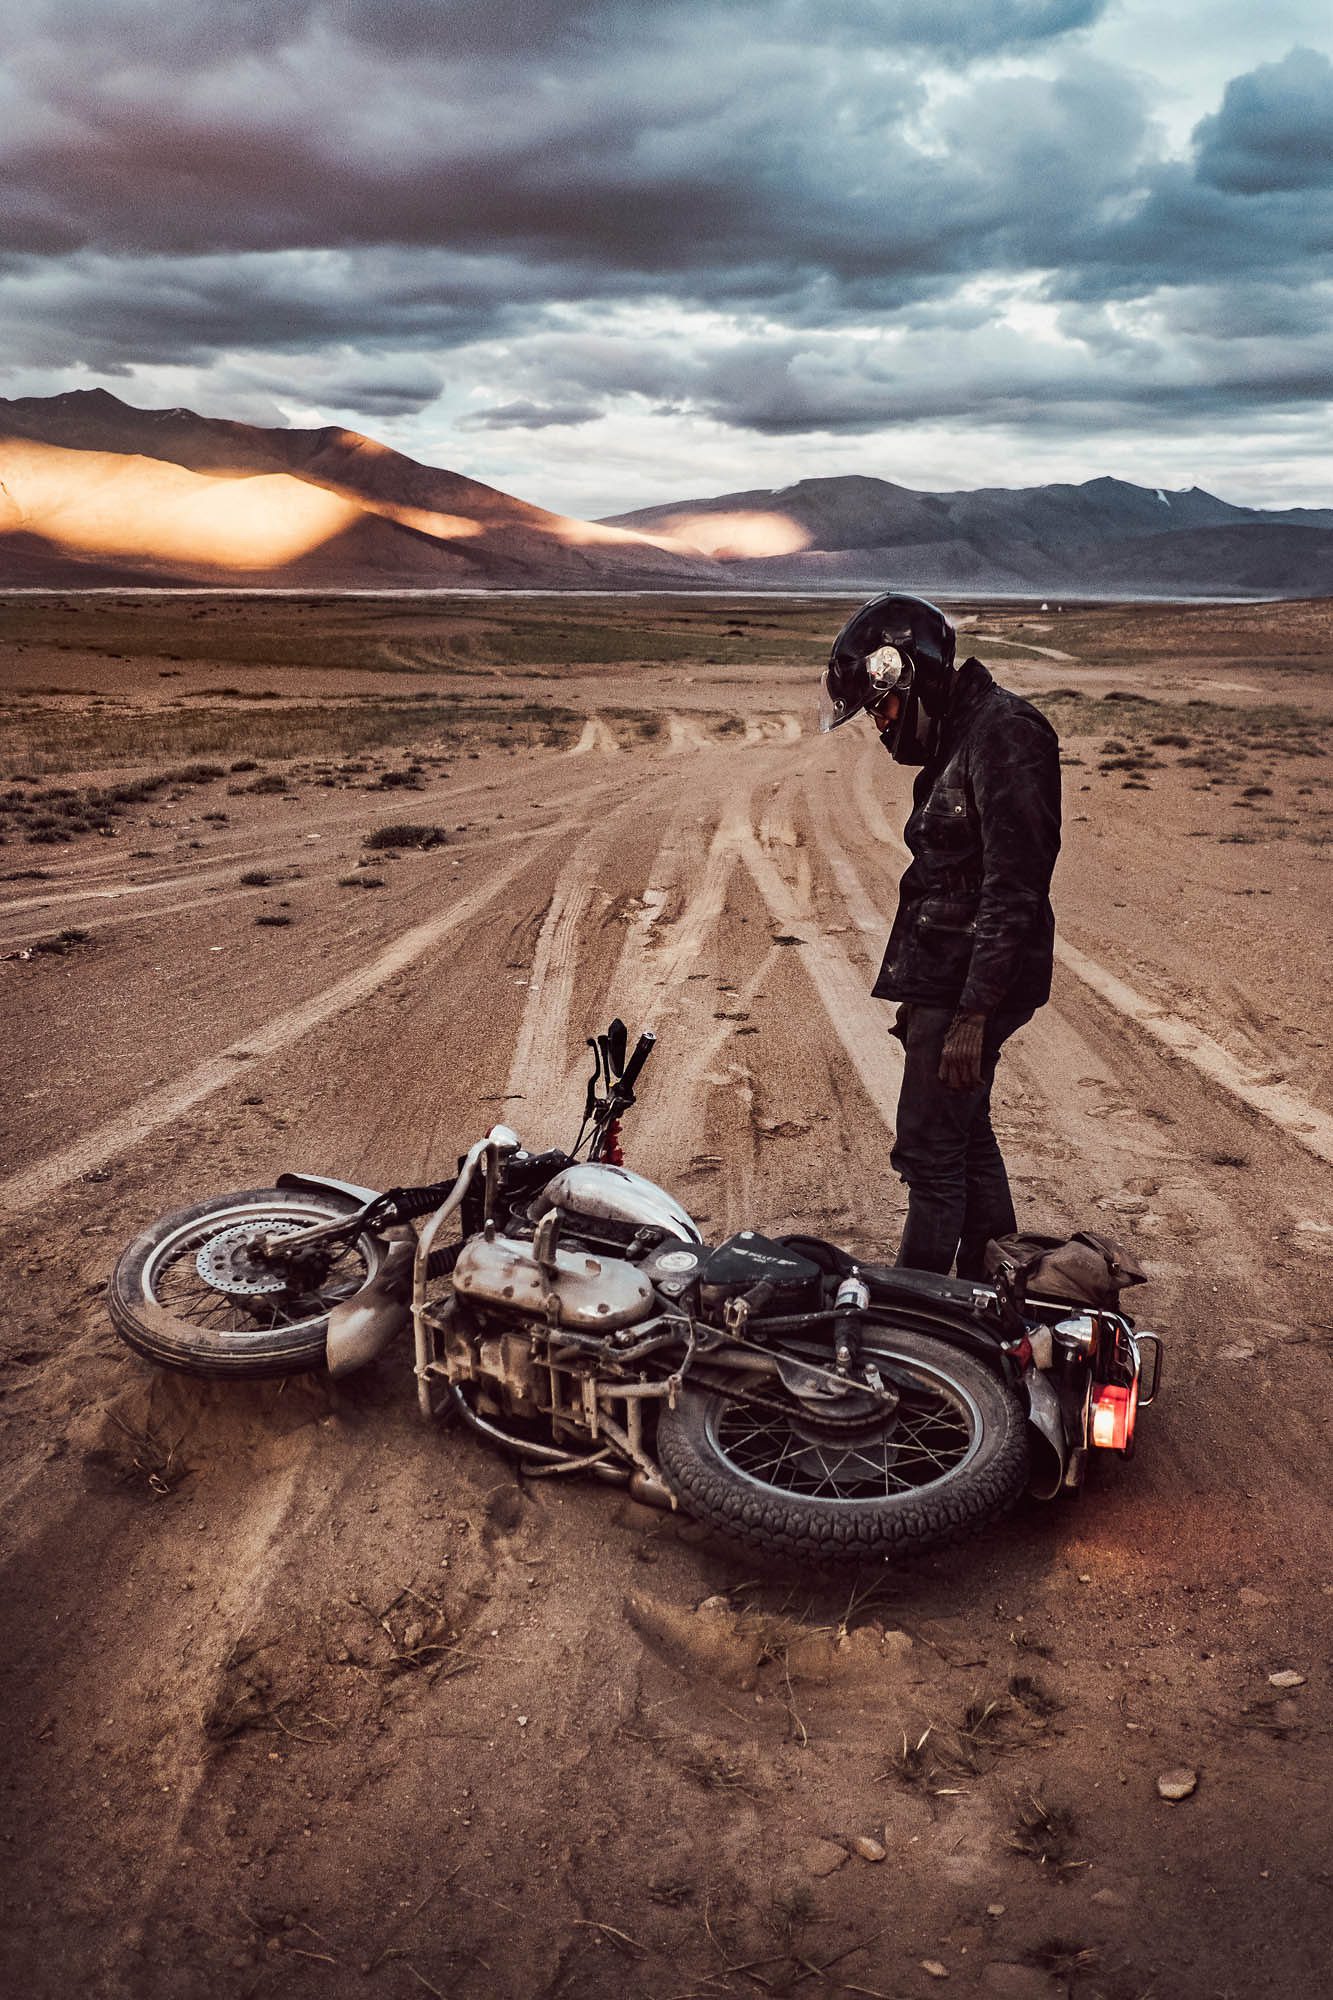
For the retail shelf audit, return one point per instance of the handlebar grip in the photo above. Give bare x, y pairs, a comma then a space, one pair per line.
643, 1048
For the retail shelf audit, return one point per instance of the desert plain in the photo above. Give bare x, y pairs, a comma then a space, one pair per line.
305, 1697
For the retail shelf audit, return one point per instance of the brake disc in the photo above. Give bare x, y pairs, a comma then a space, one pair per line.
234, 1262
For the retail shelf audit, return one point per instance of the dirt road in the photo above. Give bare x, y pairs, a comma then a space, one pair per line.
304, 1699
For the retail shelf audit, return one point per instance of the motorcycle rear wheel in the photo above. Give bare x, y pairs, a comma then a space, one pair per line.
163, 1307
952, 1458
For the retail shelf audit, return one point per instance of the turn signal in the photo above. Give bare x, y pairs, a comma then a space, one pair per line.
1113, 1411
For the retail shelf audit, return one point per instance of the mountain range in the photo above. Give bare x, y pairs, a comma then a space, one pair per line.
1104, 537
94, 491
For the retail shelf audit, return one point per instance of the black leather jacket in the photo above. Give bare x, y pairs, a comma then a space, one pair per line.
974, 927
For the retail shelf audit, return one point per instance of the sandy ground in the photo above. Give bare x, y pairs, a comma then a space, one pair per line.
304, 1697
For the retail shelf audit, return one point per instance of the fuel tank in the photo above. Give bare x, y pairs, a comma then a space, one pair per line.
594, 1294
614, 1195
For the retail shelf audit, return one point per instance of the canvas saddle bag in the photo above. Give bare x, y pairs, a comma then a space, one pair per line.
1085, 1268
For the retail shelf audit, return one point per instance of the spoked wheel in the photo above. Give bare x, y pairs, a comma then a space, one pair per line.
196, 1290
946, 1458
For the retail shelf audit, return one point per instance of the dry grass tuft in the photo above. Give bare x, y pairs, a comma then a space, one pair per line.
1062, 1958
61, 944
421, 1637
149, 1461
1045, 1832
1030, 1694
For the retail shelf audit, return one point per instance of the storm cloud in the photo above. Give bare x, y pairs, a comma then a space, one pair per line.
503, 221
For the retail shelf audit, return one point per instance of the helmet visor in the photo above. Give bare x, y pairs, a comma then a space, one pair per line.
832, 711
870, 682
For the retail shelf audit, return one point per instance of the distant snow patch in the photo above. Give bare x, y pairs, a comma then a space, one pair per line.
1162, 497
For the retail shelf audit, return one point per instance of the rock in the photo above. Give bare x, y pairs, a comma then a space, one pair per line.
934, 1968
995, 1909
824, 1857
1288, 1678
1255, 1598
1130, 1204
870, 1849
1177, 1784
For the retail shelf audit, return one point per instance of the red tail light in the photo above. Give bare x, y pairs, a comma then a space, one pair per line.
1114, 1408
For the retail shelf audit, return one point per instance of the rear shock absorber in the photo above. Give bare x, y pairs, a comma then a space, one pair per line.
850, 1301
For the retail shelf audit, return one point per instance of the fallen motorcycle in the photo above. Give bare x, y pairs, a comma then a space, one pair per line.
775, 1388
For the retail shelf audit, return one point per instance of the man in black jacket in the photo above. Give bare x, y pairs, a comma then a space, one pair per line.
969, 956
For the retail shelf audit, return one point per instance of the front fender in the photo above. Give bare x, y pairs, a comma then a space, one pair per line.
362, 1326
360, 1195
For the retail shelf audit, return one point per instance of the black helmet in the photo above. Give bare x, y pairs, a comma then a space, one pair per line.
892, 645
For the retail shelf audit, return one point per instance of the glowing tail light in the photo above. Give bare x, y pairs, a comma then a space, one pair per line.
1114, 1408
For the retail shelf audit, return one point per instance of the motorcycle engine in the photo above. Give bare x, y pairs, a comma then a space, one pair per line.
748, 1259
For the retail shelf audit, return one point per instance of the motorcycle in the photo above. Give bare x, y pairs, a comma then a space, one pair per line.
805, 1404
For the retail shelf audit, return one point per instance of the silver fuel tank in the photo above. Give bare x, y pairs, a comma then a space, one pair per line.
614, 1194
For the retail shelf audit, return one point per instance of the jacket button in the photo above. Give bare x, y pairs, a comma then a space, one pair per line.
958, 809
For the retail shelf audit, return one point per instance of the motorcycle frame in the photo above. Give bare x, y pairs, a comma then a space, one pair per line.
614, 1411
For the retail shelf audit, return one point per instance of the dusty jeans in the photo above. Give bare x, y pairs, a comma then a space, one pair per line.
957, 1189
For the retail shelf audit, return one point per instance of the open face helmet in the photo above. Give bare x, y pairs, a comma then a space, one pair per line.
894, 646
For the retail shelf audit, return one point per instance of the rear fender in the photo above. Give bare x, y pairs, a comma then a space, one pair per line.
1046, 1435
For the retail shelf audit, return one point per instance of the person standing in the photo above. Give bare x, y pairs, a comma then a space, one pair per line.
970, 953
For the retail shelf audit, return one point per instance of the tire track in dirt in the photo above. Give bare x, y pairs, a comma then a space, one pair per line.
659, 957
859, 1022
270, 841
134, 1122
1283, 1108
540, 1072
596, 736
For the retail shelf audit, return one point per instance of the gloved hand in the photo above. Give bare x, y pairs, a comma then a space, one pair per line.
960, 1058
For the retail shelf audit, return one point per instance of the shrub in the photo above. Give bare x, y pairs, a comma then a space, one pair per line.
409, 834
62, 943
196, 774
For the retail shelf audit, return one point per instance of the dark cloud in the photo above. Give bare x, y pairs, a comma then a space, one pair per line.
783, 216
1274, 132
525, 416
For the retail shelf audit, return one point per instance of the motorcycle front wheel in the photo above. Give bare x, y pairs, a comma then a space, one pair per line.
189, 1293
950, 1458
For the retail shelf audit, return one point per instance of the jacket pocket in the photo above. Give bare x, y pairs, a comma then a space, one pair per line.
954, 916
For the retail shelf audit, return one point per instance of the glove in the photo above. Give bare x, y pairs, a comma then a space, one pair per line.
960, 1058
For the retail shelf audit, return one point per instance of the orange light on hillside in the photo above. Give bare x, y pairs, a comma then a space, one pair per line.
733, 537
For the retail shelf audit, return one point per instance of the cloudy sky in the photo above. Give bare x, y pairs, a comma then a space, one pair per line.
609, 252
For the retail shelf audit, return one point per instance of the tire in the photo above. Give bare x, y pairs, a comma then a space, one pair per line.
733, 1465
167, 1311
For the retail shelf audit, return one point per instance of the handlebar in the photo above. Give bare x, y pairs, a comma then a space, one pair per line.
643, 1048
